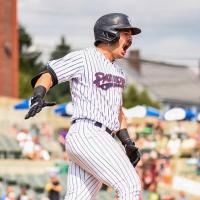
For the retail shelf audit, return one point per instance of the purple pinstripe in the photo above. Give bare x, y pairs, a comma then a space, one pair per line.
100, 157
96, 88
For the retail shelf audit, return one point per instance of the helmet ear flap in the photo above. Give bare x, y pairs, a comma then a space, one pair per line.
111, 37
105, 34
115, 38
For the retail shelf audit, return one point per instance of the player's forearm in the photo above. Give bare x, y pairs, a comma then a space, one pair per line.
45, 80
122, 120
131, 150
122, 134
41, 86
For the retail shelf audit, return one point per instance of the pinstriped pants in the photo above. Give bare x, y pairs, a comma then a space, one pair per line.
97, 158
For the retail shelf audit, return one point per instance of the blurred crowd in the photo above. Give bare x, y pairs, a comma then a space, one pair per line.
52, 191
10, 194
33, 141
160, 147
172, 142
30, 141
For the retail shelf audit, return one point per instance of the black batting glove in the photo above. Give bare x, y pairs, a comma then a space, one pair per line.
37, 102
132, 151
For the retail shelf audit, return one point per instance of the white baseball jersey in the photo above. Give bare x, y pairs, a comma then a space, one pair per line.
96, 158
96, 85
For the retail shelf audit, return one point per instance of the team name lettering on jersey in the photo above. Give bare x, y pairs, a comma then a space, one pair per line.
96, 85
106, 81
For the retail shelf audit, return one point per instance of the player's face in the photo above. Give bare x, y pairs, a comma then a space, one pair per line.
120, 48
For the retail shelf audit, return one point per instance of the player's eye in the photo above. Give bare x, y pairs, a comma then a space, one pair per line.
127, 34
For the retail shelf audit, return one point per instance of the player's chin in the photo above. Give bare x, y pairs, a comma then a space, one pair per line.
122, 54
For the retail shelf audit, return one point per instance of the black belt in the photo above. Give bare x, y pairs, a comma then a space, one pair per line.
99, 124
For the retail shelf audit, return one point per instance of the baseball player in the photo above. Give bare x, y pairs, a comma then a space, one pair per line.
97, 83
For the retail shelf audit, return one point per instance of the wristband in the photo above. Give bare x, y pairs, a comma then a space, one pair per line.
39, 91
124, 136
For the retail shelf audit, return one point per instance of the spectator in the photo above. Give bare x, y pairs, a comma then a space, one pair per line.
23, 137
53, 188
158, 129
46, 131
34, 130
33, 150
197, 136
198, 166
23, 193
188, 146
9, 195
13, 130
174, 145
178, 129
167, 172
182, 196
61, 138
161, 143
153, 194
147, 178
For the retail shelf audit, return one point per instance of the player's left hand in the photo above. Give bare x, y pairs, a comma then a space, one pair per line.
37, 104
132, 152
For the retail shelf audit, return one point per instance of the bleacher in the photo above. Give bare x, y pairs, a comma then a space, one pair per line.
9, 147
36, 185
13, 164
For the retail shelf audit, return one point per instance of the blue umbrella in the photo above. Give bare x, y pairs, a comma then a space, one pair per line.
65, 109
178, 113
141, 112
190, 114
22, 105
60, 108
152, 112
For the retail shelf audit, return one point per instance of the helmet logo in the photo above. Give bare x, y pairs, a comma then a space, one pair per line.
129, 20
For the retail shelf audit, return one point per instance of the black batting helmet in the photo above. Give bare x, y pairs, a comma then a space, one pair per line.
106, 28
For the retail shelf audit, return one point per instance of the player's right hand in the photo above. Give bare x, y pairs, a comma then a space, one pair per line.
132, 152
37, 103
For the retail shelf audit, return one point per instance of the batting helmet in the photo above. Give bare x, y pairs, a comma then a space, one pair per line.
106, 28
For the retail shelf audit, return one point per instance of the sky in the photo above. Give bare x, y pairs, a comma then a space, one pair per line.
170, 29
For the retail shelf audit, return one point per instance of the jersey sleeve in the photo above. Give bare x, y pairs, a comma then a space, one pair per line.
67, 67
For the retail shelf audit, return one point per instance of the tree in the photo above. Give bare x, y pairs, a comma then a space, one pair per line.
29, 63
61, 49
132, 97
25, 40
144, 99
60, 93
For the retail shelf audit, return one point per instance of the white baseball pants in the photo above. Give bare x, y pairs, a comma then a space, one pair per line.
97, 158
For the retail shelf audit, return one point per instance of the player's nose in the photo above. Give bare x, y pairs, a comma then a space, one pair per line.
129, 41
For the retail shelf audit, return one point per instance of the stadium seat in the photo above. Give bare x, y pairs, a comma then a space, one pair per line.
9, 147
